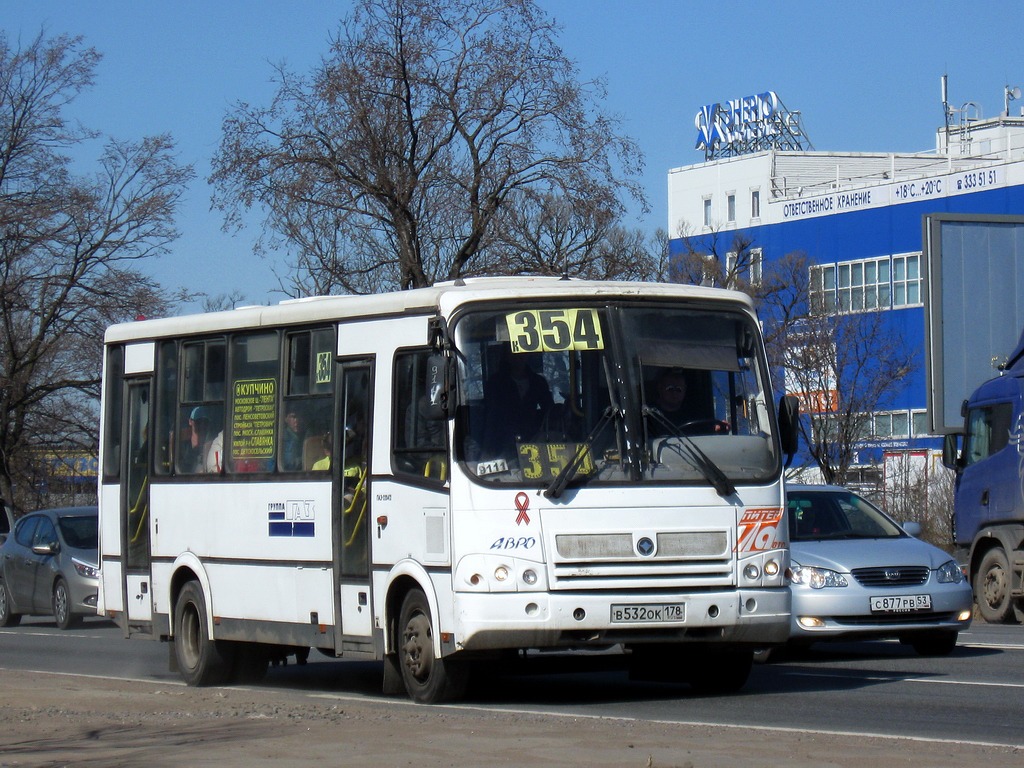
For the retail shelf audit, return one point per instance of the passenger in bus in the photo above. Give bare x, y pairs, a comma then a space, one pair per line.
516, 400
292, 442
197, 448
324, 463
214, 461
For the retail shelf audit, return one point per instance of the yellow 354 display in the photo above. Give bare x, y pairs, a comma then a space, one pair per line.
543, 461
554, 330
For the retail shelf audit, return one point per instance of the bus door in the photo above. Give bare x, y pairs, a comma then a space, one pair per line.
135, 520
352, 501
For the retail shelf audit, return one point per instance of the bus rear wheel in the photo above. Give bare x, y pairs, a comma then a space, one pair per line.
428, 679
201, 660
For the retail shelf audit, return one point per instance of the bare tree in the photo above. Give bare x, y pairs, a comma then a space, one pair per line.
392, 163
547, 234
67, 255
844, 367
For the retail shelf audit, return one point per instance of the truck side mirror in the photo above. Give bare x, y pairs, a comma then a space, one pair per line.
951, 451
789, 425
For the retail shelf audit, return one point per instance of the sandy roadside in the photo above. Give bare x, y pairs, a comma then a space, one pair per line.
58, 720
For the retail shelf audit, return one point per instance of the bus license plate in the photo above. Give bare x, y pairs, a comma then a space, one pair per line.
632, 614
901, 603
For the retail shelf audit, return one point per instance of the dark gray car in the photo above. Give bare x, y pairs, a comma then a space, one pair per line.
48, 566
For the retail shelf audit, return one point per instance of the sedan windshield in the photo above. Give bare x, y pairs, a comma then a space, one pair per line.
80, 531
818, 515
554, 395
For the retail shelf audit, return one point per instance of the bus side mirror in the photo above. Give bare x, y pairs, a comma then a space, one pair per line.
434, 404
951, 451
789, 425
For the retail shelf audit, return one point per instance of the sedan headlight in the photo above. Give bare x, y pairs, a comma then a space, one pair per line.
84, 569
950, 573
817, 578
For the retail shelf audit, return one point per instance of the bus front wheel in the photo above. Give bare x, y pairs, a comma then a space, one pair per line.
428, 679
201, 660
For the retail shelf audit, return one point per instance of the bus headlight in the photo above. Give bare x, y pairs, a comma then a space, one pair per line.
498, 573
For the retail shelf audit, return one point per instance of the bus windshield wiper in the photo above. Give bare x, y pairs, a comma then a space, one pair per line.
711, 471
561, 480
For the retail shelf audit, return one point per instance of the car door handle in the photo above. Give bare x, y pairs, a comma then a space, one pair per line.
984, 498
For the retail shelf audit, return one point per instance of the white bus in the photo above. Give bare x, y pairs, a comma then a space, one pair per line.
437, 477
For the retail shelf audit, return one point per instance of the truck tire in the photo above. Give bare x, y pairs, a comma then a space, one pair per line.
992, 588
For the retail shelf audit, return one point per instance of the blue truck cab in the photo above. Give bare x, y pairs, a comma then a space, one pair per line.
988, 511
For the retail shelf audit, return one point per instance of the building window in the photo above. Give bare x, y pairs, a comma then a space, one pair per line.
707, 211
756, 263
730, 206
866, 284
919, 423
823, 289
755, 203
748, 269
892, 424
906, 280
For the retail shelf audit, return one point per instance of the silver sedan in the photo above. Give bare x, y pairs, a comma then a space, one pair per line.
857, 574
48, 566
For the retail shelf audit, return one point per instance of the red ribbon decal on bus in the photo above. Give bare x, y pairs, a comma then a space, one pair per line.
522, 504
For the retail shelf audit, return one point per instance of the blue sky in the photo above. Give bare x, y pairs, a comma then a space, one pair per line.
864, 75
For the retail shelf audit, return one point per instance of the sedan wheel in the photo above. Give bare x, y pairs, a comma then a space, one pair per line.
62, 606
7, 619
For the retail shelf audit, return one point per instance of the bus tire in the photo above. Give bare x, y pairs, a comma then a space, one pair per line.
428, 679
992, 587
201, 660
7, 618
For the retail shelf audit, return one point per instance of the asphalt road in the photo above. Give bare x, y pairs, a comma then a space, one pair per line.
973, 697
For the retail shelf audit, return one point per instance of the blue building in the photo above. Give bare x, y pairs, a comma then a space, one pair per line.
857, 216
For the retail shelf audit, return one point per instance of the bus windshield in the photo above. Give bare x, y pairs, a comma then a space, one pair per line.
617, 393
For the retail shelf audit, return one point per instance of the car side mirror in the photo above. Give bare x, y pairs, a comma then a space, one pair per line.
912, 528
50, 548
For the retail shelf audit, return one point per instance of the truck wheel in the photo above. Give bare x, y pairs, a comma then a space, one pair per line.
992, 587
428, 679
7, 619
201, 660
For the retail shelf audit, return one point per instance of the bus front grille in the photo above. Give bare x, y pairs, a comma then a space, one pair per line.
663, 559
